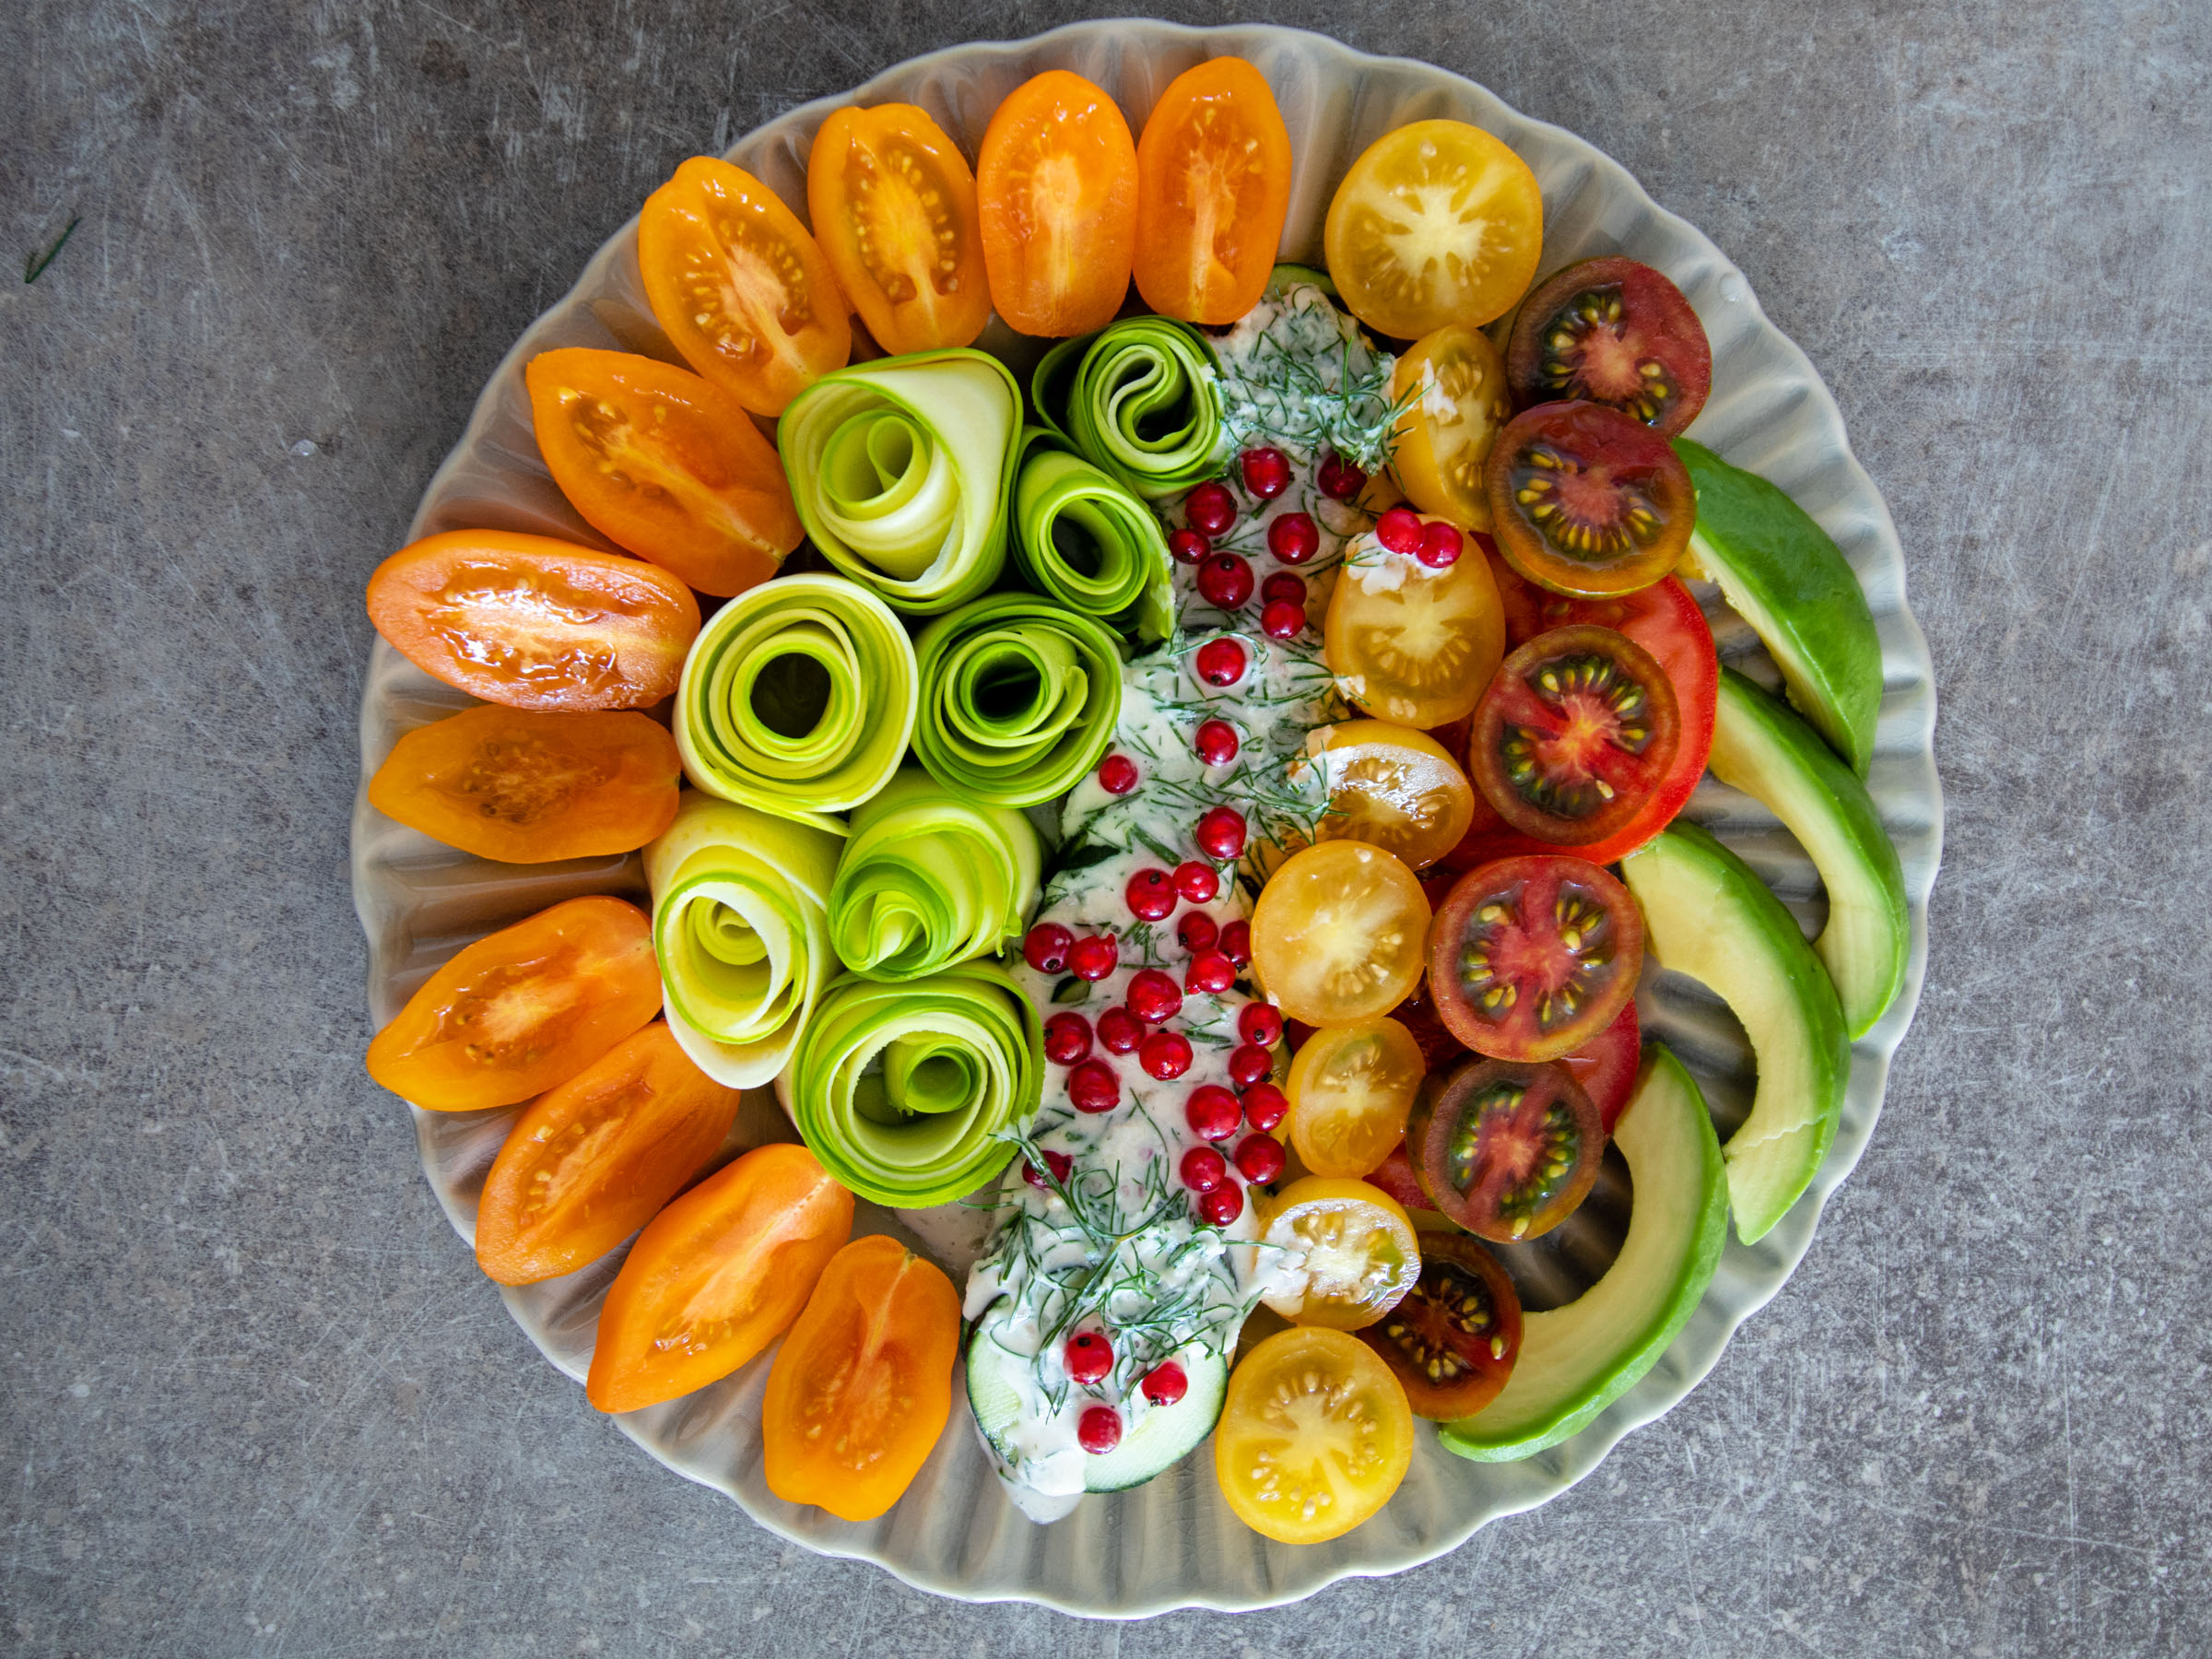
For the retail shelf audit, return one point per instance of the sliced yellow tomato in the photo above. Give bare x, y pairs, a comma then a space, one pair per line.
1314, 1437
1453, 387
1411, 644
1392, 787
1438, 222
1347, 1248
1339, 933
1351, 1087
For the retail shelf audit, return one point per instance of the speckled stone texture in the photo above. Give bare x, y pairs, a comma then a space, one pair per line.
256, 1398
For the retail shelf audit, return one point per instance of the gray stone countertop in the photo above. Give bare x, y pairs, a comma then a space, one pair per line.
258, 1401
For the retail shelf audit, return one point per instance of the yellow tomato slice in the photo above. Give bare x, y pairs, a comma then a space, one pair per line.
1411, 644
1351, 1087
1438, 222
1314, 1437
1392, 787
1347, 1248
1339, 933
1453, 384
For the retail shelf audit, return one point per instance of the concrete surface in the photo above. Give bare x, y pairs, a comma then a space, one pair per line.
256, 1399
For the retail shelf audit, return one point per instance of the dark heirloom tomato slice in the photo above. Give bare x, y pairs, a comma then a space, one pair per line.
1505, 1149
1585, 499
1454, 1336
1614, 332
1532, 957
1574, 734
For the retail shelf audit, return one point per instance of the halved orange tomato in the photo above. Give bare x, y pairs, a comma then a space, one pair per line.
1056, 184
1339, 933
739, 285
665, 463
593, 1159
717, 1277
1213, 189
893, 205
1453, 385
1412, 644
523, 1009
862, 1387
1392, 787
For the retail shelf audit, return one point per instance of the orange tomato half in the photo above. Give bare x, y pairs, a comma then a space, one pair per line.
534, 623
717, 1277
592, 1160
665, 463
863, 1386
1213, 187
740, 286
893, 205
1056, 184
523, 1009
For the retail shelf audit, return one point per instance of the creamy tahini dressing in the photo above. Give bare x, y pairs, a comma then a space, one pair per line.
1136, 1262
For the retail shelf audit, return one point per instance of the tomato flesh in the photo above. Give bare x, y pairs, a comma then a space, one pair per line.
1585, 499
1456, 401
1338, 933
1351, 1088
1213, 189
1532, 957
1392, 787
1614, 332
1410, 644
1507, 1151
1314, 1436
1348, 1250
1452, 1342
1056, 186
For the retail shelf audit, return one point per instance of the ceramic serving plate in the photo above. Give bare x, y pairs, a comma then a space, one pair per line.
1173, 1543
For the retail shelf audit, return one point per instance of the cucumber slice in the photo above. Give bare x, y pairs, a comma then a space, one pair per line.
1761, 749
1578, 1360
1161, 1436
1707, 914
1779, 571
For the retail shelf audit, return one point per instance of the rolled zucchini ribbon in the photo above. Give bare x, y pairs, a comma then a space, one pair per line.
798, 699
1083, 537
900, 469
740, 925
904, 1090
1140, 399
929, 878
1018, 699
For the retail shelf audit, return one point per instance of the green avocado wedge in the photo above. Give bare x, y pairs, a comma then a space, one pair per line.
1578, 1360
1761, 749
1706, 913
1779, 571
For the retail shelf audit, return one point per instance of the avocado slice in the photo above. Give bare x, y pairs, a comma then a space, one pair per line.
1578, 1360
1761, 749
1707, 914
1779, 571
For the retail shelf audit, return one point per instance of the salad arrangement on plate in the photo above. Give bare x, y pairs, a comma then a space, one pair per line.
1208, 805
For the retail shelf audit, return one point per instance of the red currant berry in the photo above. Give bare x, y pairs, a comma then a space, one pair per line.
1221, 663
1212, 1113
1120, 1031
1188, 546
1066, 1039
1280, 620
1339, 479
1089, 1356
1045, 948
1153, 996
1204, 1169
1210, 510
1249, 1064
1441, 546
1093, 1087
1236, 942
1165, 1383
1260, 1158
1197, 931
1225, 580
1216, 742
1165, 1056
1222, 1205
1265, 1106
1400, 530
1260, 1024
1099, 1430
1117, 774
1293, 538
1210, 973
1093, 957
1060, 1165
1222, 833
1266, 471
1283, 587
1196, 882
1150, 895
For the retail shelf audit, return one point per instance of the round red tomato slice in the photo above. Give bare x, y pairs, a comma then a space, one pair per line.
1507, 1151
1453, 1337
1614, 332
1606, 1065
1585, 499
1574, 734
1532, 957
1394, 1176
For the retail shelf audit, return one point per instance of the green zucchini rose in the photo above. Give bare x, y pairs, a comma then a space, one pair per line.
1140, 399
1082, 538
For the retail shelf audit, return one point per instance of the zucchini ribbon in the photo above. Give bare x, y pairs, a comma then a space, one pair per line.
900, 469
1140, 399
1081, 537
903, 1091
741, 931
798, 698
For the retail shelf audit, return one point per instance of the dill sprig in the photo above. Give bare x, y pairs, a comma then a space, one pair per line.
1284, 391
